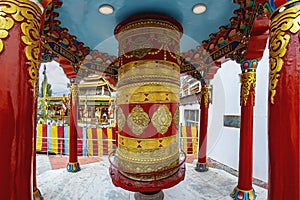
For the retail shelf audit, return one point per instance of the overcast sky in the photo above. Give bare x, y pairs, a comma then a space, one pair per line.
56, 77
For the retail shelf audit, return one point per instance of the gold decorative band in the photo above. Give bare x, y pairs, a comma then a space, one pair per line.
150, 93
148, 161
149, 156
148, 81
154, 37
141, 67
149, 167
151, 143
142, 23
248, 81
282, 24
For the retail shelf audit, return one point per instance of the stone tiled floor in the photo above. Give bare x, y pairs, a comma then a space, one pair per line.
93, 182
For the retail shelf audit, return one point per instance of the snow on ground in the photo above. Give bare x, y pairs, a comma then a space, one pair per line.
93, 182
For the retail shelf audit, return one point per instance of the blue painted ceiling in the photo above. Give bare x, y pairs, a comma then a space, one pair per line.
83, 19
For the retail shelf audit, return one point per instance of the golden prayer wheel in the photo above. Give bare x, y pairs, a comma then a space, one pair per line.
148, 97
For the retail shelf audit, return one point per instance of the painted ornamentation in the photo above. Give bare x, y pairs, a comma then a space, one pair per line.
29, 14
205, 95
282, 23
162, 119
248, 81
6, 24
243, 194
121, 119
176, 118
138, 120
74, 92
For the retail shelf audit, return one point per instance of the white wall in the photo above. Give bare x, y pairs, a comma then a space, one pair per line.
223, 142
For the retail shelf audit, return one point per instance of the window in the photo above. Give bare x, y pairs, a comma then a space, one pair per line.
191, 117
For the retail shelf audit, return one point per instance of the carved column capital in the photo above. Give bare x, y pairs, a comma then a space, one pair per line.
248, 82
74, 92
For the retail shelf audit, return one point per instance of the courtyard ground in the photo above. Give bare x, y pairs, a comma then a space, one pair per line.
93, 181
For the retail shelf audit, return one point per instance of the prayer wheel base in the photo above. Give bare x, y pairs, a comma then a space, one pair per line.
146, 186
157, 195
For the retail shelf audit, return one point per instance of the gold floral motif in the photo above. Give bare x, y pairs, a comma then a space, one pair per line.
287, 20
121, 119
205, 95
74, 92
176, 118
138, 120
6, 24
29, 14
248, 81
162, 119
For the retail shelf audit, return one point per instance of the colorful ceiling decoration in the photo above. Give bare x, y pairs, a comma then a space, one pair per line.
202, 61
98, 63
57, 41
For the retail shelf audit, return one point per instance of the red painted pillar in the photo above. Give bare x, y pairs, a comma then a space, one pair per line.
284, 102
201, 165
244, 188
19, 50
73, 165
36, 192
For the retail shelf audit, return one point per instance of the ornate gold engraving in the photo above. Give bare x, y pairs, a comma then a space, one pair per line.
152, 23
287, 20
148, 81
6, 24
149, 143
205, 95
161, 119
121, 119
149, 40
148, 93
147, 155
138, 120
166, 67
29, 14
148, 168
176, 118
140, 47
74, 92
248, 81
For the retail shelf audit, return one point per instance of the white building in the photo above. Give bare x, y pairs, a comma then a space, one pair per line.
223, 141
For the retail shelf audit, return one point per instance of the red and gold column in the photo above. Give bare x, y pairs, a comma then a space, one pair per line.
148, 104
19, 51
244, 188
201, 165
73, 165
37, 195
284, 101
